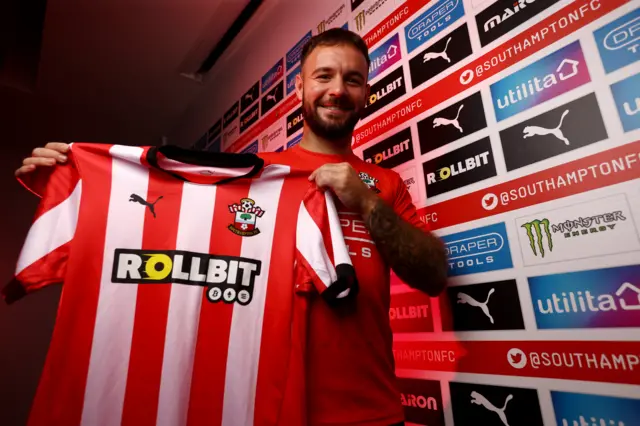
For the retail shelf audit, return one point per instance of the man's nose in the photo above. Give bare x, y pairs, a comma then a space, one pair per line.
338, 87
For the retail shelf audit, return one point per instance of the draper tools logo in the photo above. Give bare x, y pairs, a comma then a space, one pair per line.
627, 97
478, 250
594, 410
619, 41
229, 279
545, 79
570, 126
594, 228
391, 152
384, 91
486, 405
252, 148
274, 74
485, 306
502, 17
464, 166
385, 56
599, 298
432, 21
452, 123
421, 401
440, 56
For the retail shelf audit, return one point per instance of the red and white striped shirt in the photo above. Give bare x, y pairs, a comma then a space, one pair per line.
179, 285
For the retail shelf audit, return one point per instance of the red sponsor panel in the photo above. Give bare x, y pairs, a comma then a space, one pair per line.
613, 362
262, 125
393, 21
411, 312
557, 26
599, 170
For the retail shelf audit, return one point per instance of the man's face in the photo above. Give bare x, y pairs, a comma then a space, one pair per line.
333, 89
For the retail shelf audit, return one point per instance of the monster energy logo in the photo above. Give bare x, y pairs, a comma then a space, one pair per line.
538, 226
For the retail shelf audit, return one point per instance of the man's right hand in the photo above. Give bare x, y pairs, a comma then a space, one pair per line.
44, 157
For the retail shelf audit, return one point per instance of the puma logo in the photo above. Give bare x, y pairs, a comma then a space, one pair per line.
465, 298
248, 96
272, 97
478, 399
441, 121
541, 131
152, 206
434, 55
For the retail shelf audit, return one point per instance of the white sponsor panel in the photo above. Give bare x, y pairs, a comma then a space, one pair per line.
595, 228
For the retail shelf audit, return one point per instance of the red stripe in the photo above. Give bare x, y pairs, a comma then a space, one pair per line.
269, 401
60, 395
316, 205
210, 361
152, 306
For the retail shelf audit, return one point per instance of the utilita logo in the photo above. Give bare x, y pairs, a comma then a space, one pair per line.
478, 250
599, 298
545, 79
274, 74
385, 56
619, 41
432, 21
391, 152
582, 230
291, 79
627, 97
578, 409
502, 17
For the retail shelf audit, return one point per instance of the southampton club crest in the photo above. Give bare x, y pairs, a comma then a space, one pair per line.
246, 215
370, 181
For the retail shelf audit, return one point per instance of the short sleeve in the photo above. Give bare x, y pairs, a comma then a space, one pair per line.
45, 251
403, 204
322, 257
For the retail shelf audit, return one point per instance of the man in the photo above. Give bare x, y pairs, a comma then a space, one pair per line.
351, 377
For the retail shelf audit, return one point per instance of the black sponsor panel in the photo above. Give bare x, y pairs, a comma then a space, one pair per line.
272, 97
464, 166
248, 118
562, 129
385, 91
503, 16
295, 121
486, 306
422, 401
230, 115
250, 96
391, 152
452, 123
486, 405
442, 55
215, 130
355, 4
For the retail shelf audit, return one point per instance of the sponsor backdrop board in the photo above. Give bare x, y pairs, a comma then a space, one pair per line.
516, 127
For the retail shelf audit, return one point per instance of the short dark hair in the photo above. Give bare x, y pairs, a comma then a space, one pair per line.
335, 37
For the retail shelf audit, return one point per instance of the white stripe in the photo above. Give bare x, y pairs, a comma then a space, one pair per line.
51, 230
310, 243
194, 231
359, 239
340, 252
110, 351
246, 325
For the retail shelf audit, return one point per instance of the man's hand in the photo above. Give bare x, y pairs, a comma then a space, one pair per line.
44, 157
345, 183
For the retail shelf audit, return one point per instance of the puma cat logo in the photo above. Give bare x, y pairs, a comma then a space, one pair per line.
249, 96
541, 131
465, 298
272, 97
152, 206
434, 55
441, 121
478, 399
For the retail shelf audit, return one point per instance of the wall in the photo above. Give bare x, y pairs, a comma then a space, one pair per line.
515, 127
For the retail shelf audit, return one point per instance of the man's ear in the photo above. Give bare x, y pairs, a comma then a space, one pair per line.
299, 86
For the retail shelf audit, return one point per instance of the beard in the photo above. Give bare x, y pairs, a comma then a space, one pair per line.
331, 129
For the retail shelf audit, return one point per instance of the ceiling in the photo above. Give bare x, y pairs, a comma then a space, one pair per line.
110, 70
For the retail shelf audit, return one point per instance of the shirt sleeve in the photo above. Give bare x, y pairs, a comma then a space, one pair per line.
322, 256
404, 207
44, 254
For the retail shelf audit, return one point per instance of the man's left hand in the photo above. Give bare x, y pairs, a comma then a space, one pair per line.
345, 183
